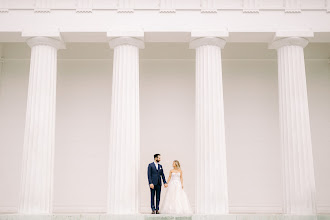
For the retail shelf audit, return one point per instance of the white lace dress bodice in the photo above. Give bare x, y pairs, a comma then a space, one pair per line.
175, 200
175, 179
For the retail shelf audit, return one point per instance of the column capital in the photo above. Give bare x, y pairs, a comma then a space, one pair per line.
35, 41
213, 41
126, 35
114, 42
288, 41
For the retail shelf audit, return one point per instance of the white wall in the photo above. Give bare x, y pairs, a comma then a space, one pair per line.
252, 131
13, 94
318, 85
167, 123
82, 135
167, 120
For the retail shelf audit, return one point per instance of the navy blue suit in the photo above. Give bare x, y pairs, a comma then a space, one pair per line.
154, 177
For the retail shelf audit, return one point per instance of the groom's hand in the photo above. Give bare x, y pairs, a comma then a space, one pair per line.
165, 185
152, 186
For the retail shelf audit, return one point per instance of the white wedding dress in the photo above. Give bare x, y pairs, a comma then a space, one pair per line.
175, 199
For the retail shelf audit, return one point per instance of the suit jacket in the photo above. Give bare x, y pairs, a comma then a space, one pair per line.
154, 175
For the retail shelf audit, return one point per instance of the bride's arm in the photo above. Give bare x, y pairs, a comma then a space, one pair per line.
169, 176
181, 178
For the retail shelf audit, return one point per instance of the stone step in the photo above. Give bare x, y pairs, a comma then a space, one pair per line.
160, 217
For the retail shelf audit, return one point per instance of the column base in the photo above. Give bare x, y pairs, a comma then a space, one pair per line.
163, 217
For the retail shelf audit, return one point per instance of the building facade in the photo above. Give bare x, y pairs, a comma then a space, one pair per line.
91, 89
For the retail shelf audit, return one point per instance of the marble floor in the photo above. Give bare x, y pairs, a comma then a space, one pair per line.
160, 217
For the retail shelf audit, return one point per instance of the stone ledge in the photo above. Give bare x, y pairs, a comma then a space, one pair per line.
161, 217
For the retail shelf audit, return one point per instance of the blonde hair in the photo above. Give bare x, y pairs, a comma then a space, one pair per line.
177, 164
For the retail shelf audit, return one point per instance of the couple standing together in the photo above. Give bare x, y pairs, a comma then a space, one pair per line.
175, 200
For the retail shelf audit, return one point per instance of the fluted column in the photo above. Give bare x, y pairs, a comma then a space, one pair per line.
36, 195
125, 128
211, 166
297, 157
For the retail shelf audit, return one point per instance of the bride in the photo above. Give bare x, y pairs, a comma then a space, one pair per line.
175, 199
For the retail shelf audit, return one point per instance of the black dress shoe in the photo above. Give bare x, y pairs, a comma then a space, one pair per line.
153, 212
157, 212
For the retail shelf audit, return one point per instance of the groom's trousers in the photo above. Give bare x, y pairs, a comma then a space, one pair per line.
156, 190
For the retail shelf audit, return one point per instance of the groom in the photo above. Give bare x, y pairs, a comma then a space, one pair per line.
155, 173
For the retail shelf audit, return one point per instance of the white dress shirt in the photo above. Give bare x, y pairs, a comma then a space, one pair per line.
156, 164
